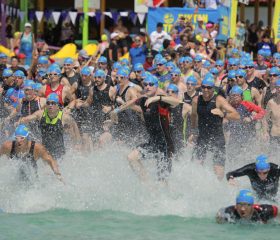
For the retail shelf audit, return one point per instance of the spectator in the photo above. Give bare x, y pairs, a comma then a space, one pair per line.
179, 26
200, 30
27, 43
157, 38
114, 48
138, 53
211, 50
252, 38
240, 35
266, 44
15, 66
9, 33
149, 62
229, 46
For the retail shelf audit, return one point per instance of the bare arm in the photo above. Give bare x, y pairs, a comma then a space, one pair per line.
35, 116
68, 120
5, 149
194, 113
231, 113
257, 96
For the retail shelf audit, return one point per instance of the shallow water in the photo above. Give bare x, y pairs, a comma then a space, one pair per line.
104, 199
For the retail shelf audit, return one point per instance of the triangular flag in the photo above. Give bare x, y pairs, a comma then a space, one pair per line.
91, 14
56, 16
108, 14
7, 11
141, 17
21, 15
18, 13
116, 16
124, 14
73, 16
98, 16
10, 11
2, 8
39, 15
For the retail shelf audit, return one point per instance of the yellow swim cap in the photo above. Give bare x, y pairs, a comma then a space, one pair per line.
104, 37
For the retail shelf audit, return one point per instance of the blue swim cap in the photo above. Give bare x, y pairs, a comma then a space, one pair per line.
236, 90
261, 52
214, 71
151, 79
198, 58
276, 55
267, 53
68, 61
19, 73
162, 61
122, 72
85, 71
234, 51
181, 60
176, 71
43, 60
261, 163
116, 65
231, 74
250, 63
173, 88
138, 67
171, 64
9, 92
7, 72
21, 131
37, 86
100, 73
206, 64
274, 70
245, 196
277, 83
42, 72
102, 59
231, 61
53, 97
3, 55
209, 81
54, 69
28, 84
191, 79
240, 72
220, 62
125, 61
188, 59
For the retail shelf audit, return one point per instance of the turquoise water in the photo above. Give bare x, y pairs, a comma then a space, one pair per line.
103, 199
62, 224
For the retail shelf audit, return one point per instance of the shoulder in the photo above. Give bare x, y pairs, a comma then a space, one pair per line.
7, 145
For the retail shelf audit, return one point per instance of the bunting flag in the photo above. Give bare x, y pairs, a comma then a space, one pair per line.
56, 16
2, 8
73, 17
7, 11
141, 17
108, 14
133, 17
98, 16
31, 15
91, 14
124, 14
47, 14
116, 16
21, 15
39, 15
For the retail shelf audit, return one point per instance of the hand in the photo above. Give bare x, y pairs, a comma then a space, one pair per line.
1, 90
247, 120
232, 182
151, 100
106, 109
79, 103
59, 177
217, 111
114, 116
119, 100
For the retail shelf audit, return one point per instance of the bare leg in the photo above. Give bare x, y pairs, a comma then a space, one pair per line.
137, 166
219, 171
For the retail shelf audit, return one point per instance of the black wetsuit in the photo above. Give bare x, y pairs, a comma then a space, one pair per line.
73, 79
268, 95
83, 116
266, 189
177, 127
157, 121
257, 83
261, 214
210, 128
26, 161
52, 134
100, 98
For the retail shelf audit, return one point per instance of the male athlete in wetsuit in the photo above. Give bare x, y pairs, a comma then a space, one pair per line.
264, 177
27, 152
245, 211
156, 112
208, 111
53, 122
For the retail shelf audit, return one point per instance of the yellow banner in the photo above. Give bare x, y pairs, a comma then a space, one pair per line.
233, 17
276, 21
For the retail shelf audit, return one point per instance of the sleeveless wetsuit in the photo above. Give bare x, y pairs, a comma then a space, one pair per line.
27, 161
211, 136
58, 91
52, 134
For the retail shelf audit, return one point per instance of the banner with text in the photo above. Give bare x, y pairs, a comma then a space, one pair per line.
168, 16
